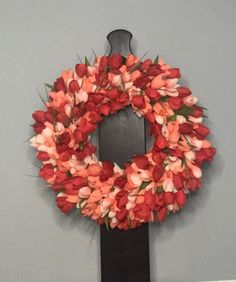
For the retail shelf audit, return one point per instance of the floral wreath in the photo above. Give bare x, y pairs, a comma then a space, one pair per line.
152, 185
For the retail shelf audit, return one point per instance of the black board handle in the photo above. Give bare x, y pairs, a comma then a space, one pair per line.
120, 42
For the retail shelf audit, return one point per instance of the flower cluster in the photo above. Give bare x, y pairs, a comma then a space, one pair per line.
152, 185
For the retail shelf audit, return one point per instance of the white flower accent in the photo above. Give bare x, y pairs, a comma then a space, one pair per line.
81, 96
180, 119
168, 185
190, 155
195, 120
159, 119
59, 127
135, 178
190, 100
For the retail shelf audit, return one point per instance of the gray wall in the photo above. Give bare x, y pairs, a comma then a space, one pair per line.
40, 38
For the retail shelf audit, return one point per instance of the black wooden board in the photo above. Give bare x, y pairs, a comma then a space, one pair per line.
124, 254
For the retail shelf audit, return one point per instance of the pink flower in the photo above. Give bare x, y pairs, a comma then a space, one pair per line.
84, 192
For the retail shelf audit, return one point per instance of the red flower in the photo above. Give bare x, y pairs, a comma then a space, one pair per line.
158, 156
174, 73
202, 130
66, 156
120, 181
178, 181
122, 199
60, 176
103, 63
59, 85
141, 211
180, 198
49, 117
197, 111
175, 103
205, 154
162, 214
152, 93
89, 149
105, 109
61, 148
138, 101
43, 156
64, 138
145, 65
161, 142
74, 86
107, 171
79, 182
150, 199
46, 171
81, 70
158, 172
210, 152
150, 116
39, 116
168, 198
63, 118
192, 184
183, 92
185, 128
141, 162
154, 70
176, 153
96, 98
142, 82
102, 79
64, 206
79, 136
114, 61
122, 214
94, 117
160, 200
123, 98
86, 127
116, 106
90, 106
38, 127
112, 94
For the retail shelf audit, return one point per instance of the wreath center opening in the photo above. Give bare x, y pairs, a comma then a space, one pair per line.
123, 134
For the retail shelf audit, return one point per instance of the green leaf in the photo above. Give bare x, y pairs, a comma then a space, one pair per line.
159, 190
202, 108
50, 86
156, 60
184, 111
183, 163
129, 220
41, 97
86, 61
95, 55
172, 118
106, 221
144, 185
166, 150
163, 99
135, 66
81, 146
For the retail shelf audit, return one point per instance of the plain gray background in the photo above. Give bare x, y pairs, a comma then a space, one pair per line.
38, 40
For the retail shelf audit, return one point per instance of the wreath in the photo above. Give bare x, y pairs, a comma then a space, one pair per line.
152, 185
